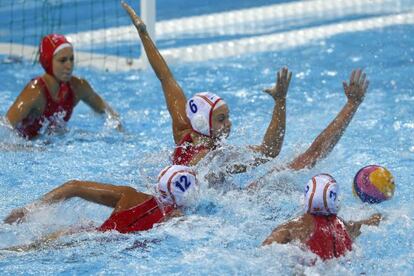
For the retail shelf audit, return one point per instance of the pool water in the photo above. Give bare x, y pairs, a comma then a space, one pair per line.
222, 233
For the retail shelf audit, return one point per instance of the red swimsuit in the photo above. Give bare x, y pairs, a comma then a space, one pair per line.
31, 125
185, 151
330, 238
139, 218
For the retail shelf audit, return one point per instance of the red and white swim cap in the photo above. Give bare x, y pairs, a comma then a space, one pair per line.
177, 185
50, 45
321, 195
200, 109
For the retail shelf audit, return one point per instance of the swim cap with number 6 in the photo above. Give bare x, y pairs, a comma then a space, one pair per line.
199, 110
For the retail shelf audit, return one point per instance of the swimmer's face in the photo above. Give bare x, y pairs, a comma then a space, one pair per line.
63, 64
220, 122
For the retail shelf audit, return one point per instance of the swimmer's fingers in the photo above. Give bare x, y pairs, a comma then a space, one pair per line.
284, 83
376, 219
283, 73
357, 76
366, 84
351, 79
345, 85
289, 78
283, 77
136, 20
16, 215
279, 80
362, 80
286, 76
355, 90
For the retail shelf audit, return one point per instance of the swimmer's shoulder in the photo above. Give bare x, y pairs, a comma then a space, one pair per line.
78, 83
34, 87
33, 92
80, 87
302, 227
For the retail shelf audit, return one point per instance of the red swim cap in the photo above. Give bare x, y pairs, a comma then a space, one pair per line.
49, 46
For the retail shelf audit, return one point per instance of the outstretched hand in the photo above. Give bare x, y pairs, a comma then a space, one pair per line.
16, 215
282, 84
136, 20
358, 85
375, 219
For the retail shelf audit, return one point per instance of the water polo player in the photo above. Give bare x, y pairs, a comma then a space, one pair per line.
47, 101
133, 210
323, 233
199, 122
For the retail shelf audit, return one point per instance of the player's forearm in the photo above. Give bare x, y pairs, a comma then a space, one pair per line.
275, 133
331, 135
61, 193
156, 60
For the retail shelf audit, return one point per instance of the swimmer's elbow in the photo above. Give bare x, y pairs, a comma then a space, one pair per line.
127, 190
73, 188
267, 241
271, 153
72, 182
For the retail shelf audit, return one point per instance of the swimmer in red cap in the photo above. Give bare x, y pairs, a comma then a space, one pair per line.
133, 210
200, 122
319, 229
47, 101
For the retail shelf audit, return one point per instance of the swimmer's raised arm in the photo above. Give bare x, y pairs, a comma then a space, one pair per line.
325, 142
173, 93
275, 133
118, 197
84, 92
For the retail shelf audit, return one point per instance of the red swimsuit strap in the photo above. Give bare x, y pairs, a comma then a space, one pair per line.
185, 150
45, 89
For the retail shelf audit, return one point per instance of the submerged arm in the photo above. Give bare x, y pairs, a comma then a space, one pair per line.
327, 140
44, 241
173, 93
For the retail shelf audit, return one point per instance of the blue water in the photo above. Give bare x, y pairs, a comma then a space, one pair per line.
222, 233
25, 21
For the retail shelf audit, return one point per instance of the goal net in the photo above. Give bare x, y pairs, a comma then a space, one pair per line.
186, 31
